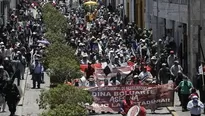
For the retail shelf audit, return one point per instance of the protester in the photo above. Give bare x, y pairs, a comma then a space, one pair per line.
164, 74
37, 73
12, 96
195, 106
127, 103
184, 87
193, 93
178, 80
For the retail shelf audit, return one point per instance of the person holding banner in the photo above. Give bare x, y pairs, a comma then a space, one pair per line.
127, 103
128, 108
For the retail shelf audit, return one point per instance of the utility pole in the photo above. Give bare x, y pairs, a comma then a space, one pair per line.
191, 63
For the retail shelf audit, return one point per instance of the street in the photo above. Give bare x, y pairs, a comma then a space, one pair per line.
102, 56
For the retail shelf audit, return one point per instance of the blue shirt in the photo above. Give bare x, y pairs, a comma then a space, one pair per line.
38, 69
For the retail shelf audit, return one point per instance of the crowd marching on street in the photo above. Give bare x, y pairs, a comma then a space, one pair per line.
22, 45
103, 36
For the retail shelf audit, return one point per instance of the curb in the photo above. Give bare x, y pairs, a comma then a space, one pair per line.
23, 88
172, 111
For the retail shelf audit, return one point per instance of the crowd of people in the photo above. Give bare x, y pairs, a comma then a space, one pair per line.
112, 41
108, 38
22, 46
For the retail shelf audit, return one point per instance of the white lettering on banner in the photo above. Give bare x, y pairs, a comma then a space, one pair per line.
116, 99
97, 94
115, 88
120, 98
117, 105
124, 93
154, 101
100, 105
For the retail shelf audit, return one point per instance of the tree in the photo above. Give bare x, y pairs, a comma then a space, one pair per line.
60, 58
53, 19
64, 100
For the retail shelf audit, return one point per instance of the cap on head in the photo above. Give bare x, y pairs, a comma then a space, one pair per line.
195, 97
1, 67
18, 52
153, 58
172, 52
164, 64
176, 61
6, 59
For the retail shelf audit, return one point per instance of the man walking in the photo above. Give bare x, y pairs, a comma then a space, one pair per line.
37, 70
195, 106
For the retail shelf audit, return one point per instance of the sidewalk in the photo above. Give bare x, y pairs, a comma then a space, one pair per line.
177, 110
31, 98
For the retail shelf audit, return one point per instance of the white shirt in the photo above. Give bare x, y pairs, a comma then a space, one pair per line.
195, 110
145, 75
200, 70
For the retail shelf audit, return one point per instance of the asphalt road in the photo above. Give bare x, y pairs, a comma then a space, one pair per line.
160, 112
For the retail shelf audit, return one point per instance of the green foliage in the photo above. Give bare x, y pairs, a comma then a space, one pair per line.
60, 58
53, 19
64, 100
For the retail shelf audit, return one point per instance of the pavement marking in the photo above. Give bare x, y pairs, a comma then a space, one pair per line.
23, 86
172, 111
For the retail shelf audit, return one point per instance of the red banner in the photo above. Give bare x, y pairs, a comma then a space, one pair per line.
84, 66
108, 99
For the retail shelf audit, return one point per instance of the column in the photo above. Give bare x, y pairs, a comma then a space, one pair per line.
6, 10
13, 4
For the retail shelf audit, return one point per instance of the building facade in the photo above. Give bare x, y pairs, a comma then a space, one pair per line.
181, 19
5, 5
134, 10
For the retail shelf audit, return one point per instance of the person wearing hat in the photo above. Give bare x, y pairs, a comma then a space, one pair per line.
8, 67
179, 78
195, 106
85, 59
175, 69
12, 96
164, 74
171, 58
91, 82
89, 70
184, 87
153, 66
3, 75
22, 60
145, 76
